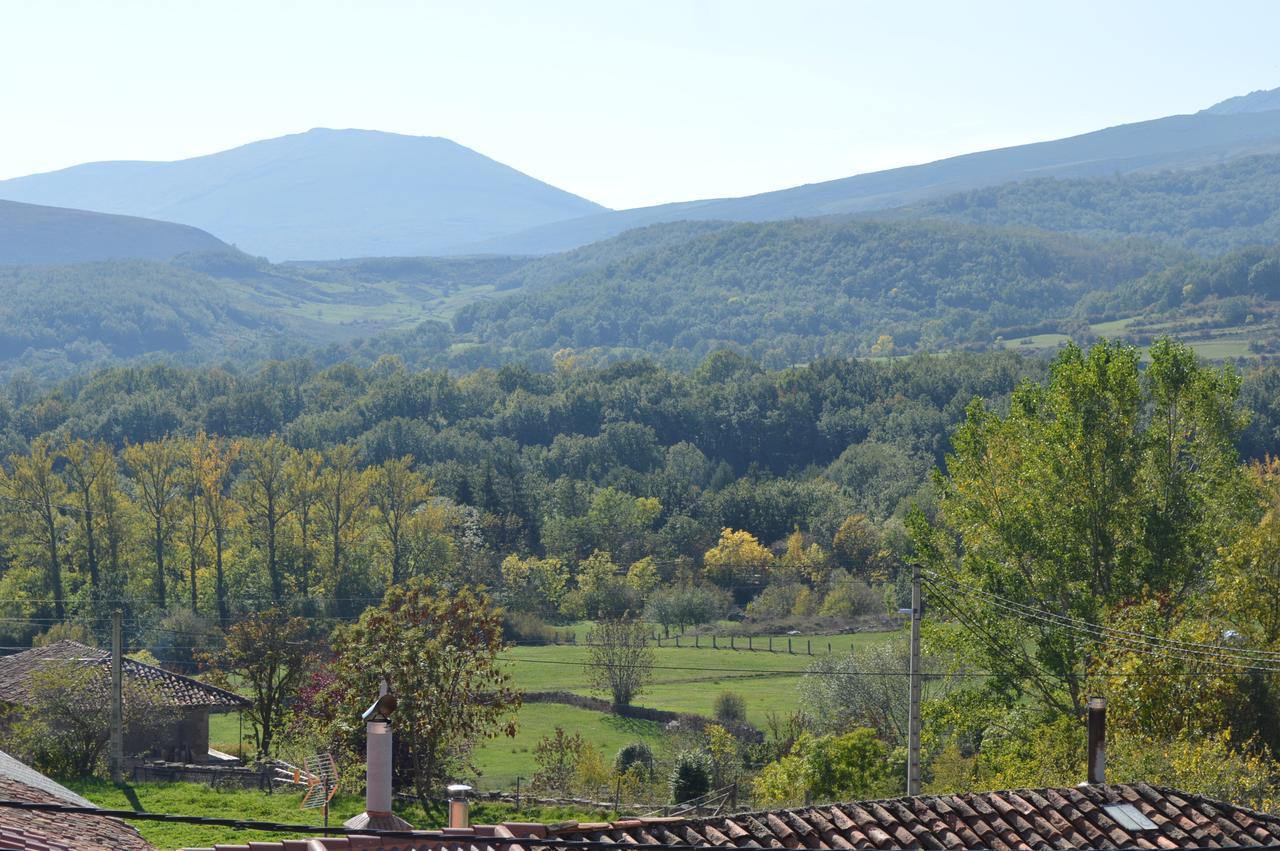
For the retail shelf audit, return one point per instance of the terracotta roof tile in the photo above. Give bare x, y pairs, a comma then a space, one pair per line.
15, 676
34, 830
1018, 820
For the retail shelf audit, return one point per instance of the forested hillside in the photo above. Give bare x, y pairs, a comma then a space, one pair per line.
1175, 142
32, 234
791, 291
1208, 210
56, 319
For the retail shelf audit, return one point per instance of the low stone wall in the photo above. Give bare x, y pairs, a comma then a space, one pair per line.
242, 776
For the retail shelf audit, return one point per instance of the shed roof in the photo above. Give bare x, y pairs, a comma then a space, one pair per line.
179, 691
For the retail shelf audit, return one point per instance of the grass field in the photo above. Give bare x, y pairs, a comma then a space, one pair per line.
685, 679
199, 800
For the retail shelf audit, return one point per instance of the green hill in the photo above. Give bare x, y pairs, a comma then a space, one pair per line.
1208, 210
791, 291
33, 234
1222, 132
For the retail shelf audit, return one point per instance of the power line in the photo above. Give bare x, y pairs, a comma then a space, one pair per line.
1171, 643
1148, 645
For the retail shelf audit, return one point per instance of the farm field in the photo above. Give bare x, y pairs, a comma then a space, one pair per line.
685, 679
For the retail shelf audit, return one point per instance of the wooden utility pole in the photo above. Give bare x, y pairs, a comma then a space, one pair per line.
913, 712
117, 697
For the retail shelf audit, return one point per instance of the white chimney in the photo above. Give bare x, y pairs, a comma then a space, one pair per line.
377, 813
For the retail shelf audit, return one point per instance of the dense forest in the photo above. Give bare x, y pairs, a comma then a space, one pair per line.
1208, 210
788, 292
632, 460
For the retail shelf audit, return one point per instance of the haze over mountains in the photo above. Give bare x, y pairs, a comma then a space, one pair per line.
1237, 127
323, 194
329, 194
1145, 248
33, 234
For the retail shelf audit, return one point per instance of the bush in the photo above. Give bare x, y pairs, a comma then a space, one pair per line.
774, 602
65, 631
730, 708
690, 777
850, 597
687, 605
635, 754
526, 628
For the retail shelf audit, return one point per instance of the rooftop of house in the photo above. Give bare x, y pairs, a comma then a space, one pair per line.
24, 830
179, 691
1083, 817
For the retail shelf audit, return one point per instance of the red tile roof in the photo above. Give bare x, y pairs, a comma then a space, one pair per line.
28, 830
1019, 820
15, 676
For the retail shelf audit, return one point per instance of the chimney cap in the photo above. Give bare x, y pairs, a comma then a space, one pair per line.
1097, 703
380, 710
458, 788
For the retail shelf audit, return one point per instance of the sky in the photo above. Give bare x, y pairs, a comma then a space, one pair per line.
625, 103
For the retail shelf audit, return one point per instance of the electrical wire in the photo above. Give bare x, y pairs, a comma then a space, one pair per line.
1148, 645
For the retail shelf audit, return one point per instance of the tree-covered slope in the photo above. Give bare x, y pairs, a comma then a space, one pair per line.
1207, 210
320, 194
791, 291
55, 318
34, 234
1175, 142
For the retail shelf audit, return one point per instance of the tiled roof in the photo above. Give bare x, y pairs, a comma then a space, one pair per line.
23, 773
28, 830
15, 676
1082, 817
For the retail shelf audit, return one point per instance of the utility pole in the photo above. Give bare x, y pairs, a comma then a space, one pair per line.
117, 697
913, 712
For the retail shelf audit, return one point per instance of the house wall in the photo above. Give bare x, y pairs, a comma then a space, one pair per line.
185, 740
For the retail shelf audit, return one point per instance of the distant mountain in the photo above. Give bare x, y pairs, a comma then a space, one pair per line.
323, 194
33, 234
1220, 133
1259, 101
1208, 210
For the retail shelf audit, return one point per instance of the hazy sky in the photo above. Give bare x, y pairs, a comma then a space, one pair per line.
625, 103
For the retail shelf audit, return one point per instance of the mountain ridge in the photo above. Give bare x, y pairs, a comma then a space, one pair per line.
321, 194
35, 234
1179, 141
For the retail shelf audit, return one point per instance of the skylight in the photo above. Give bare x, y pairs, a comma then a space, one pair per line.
1128, 817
